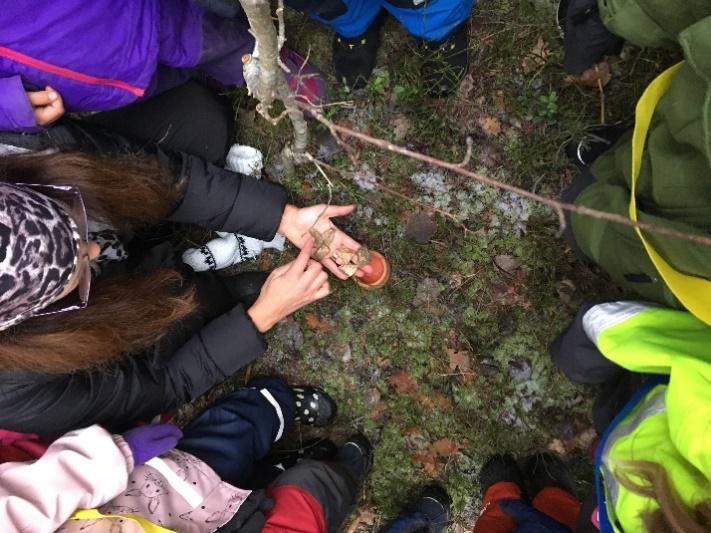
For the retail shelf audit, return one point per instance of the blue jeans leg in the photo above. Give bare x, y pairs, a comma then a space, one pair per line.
240, 429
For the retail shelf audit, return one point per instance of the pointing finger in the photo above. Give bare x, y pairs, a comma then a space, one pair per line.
302, 260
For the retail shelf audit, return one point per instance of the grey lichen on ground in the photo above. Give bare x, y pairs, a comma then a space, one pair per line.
448, 363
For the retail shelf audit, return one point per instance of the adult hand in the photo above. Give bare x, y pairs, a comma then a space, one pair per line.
151, 440
296, 223
288, 288
47, 105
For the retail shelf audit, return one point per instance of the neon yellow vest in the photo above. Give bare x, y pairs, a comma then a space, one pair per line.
671, 425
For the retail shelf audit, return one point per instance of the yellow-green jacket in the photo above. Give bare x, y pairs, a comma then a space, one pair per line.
669, 420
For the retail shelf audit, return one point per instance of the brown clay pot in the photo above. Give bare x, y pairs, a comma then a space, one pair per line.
380, 275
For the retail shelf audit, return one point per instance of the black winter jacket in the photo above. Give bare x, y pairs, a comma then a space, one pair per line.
194, 355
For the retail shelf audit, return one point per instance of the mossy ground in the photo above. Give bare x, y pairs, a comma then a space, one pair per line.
385, 355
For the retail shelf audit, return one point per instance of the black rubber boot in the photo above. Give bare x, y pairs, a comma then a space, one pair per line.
356, 455
314, 406
497, 469
434, 503
597, 140
446, 62
354, 57
547, 470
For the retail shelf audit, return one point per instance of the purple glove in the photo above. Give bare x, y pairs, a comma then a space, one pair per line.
151, 440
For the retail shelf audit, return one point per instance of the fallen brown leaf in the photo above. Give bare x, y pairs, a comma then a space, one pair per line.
402, 382
446, 447
315, 323
383, 362
429, 463
593, 77
460, 363
435, 457
322, 243
582, 441
490, 125
536, 58
436, 400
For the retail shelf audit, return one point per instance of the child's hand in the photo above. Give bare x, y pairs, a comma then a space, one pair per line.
47, 105
296, 223
151, 440
288, 288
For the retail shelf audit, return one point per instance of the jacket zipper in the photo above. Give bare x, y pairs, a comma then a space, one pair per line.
67, 73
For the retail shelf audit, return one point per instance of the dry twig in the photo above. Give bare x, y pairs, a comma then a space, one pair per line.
601, 88
555, 204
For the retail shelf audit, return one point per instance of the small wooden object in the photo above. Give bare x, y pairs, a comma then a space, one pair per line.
380, 275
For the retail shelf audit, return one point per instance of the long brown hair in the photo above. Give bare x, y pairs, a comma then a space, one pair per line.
649, 479
126, 313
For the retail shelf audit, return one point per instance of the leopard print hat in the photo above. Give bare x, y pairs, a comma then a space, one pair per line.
38, 252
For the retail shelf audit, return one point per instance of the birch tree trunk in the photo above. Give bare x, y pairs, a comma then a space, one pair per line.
265, 77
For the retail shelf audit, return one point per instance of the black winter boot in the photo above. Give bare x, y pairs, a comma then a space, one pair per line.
446, 62
434, 503
356, 455
354, 57
314, 406
499, 468
547, 470
597, 140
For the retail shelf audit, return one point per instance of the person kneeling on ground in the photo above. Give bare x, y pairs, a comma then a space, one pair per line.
100, 321
106, 55
440, 26
140, 481
667, 182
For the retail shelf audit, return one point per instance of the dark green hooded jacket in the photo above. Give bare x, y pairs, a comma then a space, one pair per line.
674, 185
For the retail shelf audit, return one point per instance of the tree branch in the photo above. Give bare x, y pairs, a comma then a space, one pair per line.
557, 205
265, 78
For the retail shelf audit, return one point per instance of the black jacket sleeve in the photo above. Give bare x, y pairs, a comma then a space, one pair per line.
136, 389
222, 200
211, 196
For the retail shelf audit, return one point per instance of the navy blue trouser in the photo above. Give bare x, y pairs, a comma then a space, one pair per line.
239, 429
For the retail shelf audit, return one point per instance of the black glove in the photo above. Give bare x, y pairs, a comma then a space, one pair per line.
586, 40
530, 520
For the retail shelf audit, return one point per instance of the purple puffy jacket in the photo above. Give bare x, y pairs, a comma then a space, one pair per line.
98, 54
